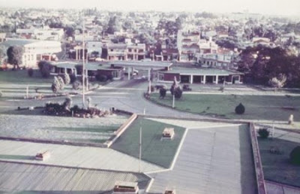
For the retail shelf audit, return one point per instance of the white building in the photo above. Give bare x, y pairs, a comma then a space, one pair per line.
33, 50
126, 51
94, 46
190, 45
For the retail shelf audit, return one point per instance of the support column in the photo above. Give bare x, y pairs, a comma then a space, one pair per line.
128, 72
217, 79
191, 79
149, 74
204, 79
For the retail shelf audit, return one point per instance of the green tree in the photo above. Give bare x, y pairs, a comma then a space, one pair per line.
45, 68
14, 55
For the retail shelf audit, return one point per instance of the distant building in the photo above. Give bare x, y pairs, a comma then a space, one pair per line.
33, 50
124, 51
190, 45
55, 34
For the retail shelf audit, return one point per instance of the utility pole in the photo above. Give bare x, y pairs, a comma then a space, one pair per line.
83, 61
140, 145
173, 103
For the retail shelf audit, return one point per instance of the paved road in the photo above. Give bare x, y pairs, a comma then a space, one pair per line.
125, 95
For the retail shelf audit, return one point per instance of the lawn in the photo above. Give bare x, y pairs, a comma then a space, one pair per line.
154, 149
257, 107
21, 77
277, 167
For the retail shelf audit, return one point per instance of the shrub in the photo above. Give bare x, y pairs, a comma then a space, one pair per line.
30, 72
76, 85
61, 82
55, 87
67, 103
101, 78
178, 92
45, 68
162, 92
67, 79
72, 78
264, 133
240, 109
295, 155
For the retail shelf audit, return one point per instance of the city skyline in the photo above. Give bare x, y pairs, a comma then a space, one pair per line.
268, 7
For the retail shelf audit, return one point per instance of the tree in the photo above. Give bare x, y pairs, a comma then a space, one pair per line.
45, 68
67, 104
176, 89
295, 155
240, 109
163, 92
69, 31
30, 72
278, 82
14, 55
113, 25
67, 78
263, 133
61, 83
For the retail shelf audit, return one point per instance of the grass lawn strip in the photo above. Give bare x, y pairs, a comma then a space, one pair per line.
257, 107
277, 167
154, 149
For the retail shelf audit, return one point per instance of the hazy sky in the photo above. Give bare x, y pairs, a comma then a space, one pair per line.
280, 7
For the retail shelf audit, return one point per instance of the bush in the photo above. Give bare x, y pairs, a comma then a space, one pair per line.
101, 78
264, 133
61, 82
295, 155
45, 68
76, 85
162, 92
178, 92
240, 109
67, 79
55, 87
30, 72
72, 78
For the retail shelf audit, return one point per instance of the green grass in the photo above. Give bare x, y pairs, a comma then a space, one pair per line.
277, 167
154, 150
257, 107
21, 77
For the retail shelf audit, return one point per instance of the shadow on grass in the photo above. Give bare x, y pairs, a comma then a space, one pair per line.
15, 157
277, 167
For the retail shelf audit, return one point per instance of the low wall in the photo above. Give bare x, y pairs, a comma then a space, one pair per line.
261, 186
121, 130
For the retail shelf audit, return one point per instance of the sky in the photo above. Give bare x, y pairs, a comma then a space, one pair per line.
269, 7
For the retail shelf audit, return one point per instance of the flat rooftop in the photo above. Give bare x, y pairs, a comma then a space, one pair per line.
202, 71
141, 64
17, 177
73, 156
211, 159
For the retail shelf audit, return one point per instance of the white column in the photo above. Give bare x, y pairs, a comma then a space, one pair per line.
204, 79
149, 74
191, 79
217, 79
128, 71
